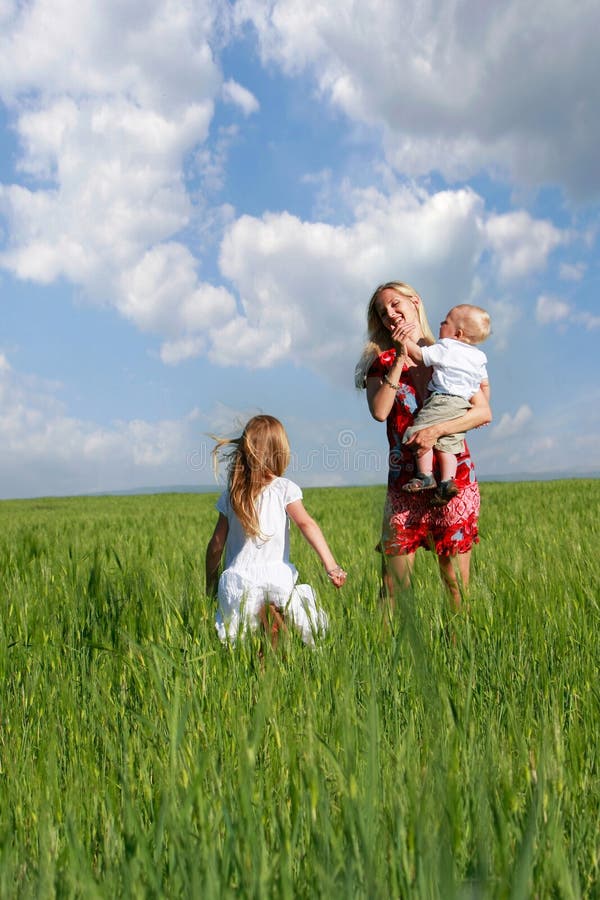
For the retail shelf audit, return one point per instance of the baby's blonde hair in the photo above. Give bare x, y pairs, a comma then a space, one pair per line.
474, 322
378, 337
259, 455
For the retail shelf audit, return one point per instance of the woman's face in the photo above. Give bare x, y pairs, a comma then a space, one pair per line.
395, 309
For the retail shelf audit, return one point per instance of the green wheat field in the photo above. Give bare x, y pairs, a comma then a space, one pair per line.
433, 755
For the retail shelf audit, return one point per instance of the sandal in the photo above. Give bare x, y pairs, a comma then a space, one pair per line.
419, 483
445, 492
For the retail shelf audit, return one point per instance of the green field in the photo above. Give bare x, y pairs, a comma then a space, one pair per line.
440, 756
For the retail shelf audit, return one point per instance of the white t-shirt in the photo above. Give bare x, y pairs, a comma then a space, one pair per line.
243, 552
458, 368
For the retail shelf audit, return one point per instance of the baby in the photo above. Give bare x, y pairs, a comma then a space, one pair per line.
459, 371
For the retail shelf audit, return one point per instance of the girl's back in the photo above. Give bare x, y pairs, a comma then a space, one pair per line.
253, 527
273, 543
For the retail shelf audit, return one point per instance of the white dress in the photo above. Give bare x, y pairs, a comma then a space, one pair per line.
259, 571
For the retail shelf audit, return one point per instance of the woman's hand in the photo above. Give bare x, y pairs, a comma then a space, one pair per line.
479, 414
424, 439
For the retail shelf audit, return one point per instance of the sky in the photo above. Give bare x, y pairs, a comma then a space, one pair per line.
198, 198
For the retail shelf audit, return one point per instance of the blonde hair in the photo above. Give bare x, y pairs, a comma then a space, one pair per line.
378, 337
259, 455
474, 322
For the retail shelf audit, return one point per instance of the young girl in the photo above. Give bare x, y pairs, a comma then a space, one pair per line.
253, 528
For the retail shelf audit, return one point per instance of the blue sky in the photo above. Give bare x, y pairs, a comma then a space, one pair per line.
198, 198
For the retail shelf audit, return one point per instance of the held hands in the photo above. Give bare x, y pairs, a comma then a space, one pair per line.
402, 331
337, 576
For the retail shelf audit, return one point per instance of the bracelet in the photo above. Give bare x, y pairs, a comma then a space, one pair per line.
391, 384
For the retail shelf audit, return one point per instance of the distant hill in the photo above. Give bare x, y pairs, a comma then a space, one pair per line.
217, 488
162, 489
538, 476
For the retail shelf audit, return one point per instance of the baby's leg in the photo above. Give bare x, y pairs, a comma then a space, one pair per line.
448, 465
424, 462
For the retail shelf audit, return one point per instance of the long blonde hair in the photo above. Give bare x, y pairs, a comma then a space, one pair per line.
259, 455
378, 337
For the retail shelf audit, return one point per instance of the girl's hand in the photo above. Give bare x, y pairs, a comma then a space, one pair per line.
337, 576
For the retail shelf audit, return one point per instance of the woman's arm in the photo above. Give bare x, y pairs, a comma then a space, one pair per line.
313, 534
479, 414
380, 395
214, 552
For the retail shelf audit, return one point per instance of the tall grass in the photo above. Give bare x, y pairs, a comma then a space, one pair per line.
436, 755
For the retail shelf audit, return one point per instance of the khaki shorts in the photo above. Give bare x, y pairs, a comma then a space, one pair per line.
441, 408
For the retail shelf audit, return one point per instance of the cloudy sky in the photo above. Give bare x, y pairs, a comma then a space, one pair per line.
198, 197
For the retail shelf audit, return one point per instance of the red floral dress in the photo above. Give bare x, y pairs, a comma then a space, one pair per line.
409, 520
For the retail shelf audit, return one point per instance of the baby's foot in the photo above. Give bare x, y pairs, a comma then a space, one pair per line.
446, 491
420, 482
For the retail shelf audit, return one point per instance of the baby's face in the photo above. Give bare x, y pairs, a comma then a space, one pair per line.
449, 327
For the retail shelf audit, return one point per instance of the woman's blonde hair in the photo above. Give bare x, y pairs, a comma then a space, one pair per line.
259, 455
378, 337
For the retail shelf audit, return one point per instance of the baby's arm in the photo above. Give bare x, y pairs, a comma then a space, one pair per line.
411, 348
313, 534
214, 552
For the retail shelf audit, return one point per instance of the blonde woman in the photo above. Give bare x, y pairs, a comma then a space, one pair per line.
396, 389
253, 529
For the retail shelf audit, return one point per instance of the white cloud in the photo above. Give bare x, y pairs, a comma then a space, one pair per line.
156, 55
108, 101
111, 102
572, 271
453, 87
574, 429
504, 316
211, 165
119, 188
509, 426
521, 244
589, 321
551, 309
240, 96
40, 444
538, 453
304, 286
109, 222
174, 352
162, 293
291, 274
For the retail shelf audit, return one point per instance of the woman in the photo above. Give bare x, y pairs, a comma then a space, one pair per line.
396, 389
